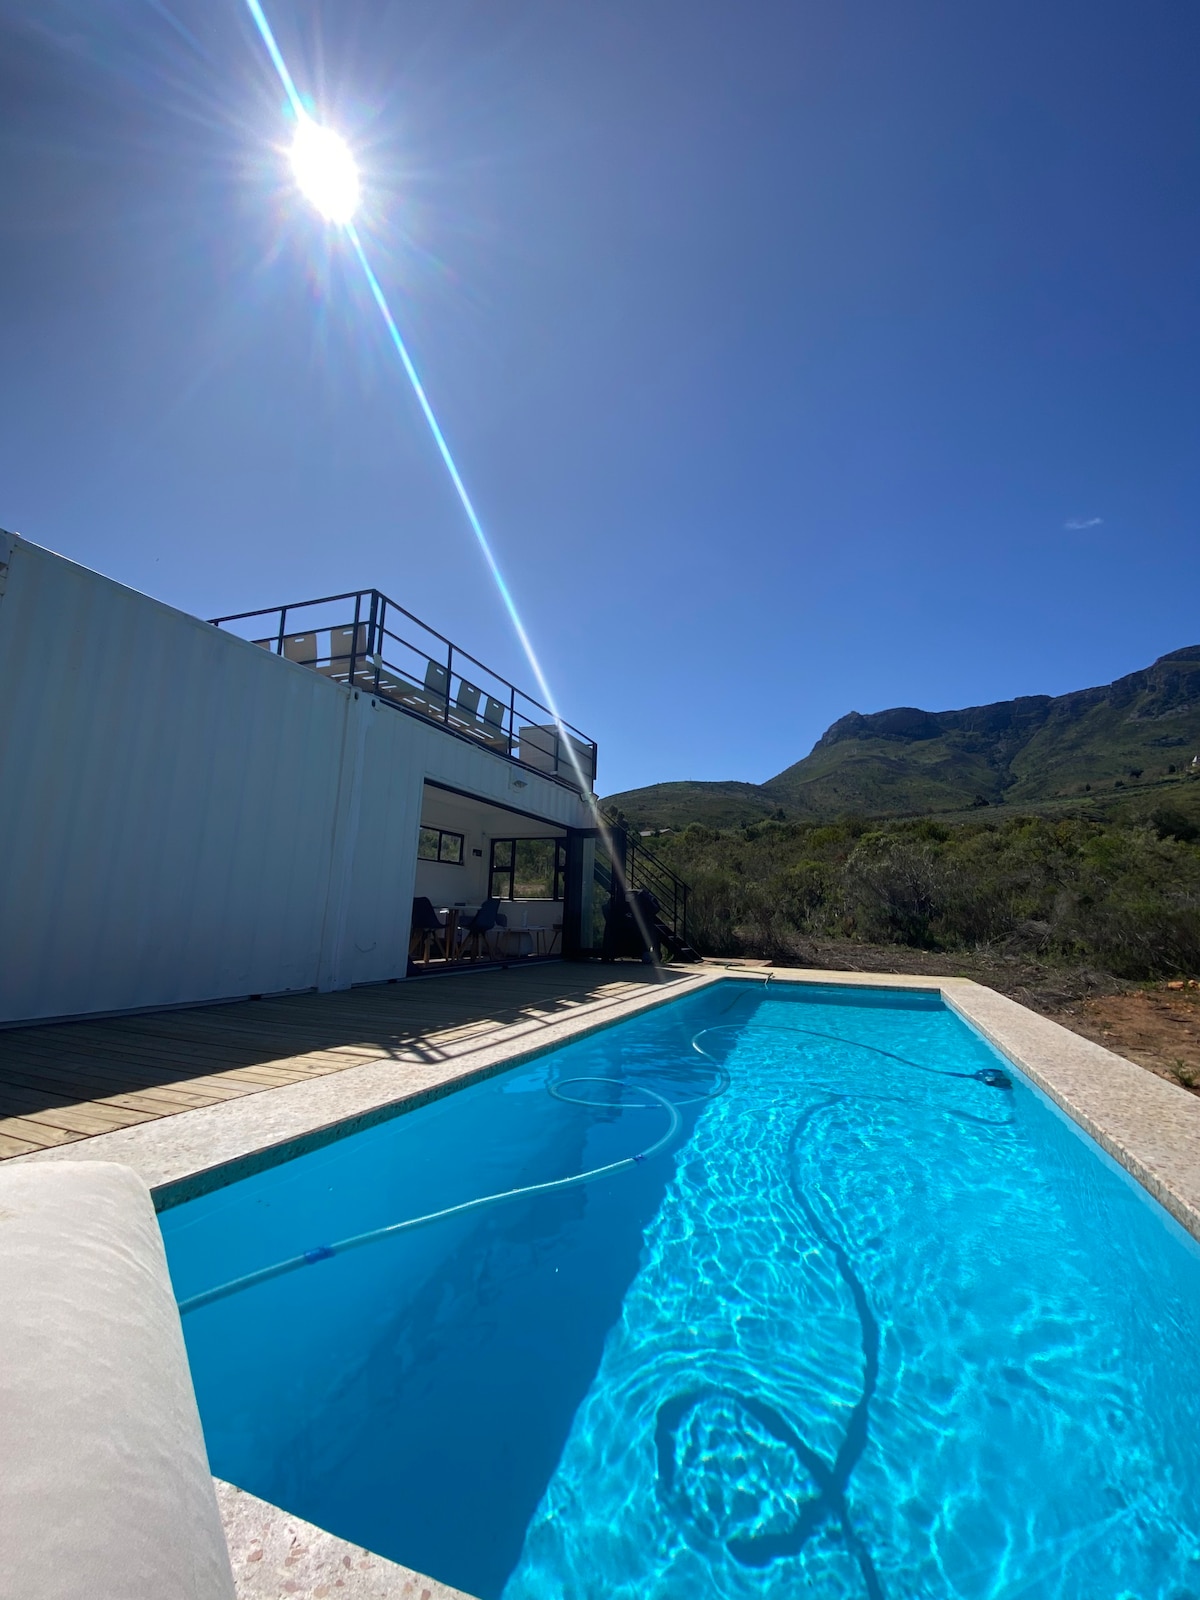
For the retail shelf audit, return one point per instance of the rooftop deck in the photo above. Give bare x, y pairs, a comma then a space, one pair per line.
70, 1081
365, 639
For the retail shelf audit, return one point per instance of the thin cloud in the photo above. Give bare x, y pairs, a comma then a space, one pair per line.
1076, 523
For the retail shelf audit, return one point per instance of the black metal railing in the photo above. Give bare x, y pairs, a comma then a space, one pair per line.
644, 870
363, 639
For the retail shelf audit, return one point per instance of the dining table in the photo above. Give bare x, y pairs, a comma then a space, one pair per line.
451, 917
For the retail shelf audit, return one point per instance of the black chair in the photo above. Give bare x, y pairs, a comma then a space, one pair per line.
488, 916
425, 925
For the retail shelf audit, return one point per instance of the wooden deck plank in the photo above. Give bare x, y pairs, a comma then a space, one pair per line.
40, 1135
65, 1081
112, 1067
12, 1146
136, 1049
110, 1072
150, 1066
71, 1085
193, 1092
86, 1117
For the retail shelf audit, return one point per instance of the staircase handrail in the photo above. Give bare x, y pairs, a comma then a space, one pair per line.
645, 870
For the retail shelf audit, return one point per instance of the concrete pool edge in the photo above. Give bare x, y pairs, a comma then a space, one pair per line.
1149, 1126
273, 1553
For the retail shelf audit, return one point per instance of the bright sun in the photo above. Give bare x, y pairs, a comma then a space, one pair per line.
325, 171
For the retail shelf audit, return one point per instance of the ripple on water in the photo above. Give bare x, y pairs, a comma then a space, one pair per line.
877, 1346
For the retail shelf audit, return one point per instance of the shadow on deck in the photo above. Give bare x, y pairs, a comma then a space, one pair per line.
66, 1081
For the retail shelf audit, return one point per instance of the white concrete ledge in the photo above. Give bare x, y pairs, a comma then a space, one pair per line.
278, 1557
105, 1492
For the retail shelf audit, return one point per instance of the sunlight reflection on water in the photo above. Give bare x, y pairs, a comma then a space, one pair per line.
837, 1211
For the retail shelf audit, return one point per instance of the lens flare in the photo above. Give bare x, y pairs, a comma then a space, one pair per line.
326, 174
325, 171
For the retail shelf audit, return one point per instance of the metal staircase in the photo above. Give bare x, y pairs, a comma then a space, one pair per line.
643, 870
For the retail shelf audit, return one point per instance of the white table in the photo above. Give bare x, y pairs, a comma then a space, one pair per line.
521, 941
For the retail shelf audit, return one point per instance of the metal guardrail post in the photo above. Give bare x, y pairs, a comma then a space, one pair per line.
375, 636
283, 611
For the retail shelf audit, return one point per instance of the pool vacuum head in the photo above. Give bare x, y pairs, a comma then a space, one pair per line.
994, 1078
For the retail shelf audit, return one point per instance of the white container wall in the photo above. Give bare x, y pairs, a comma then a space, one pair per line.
188, 817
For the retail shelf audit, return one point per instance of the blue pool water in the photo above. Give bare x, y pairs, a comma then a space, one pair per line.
877, 1321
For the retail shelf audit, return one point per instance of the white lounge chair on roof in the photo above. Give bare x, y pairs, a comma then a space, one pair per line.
466, 704
346, 642
301, 648
493, 723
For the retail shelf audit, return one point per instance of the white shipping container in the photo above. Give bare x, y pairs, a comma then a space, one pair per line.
188, 817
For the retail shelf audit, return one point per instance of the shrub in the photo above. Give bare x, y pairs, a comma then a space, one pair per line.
1122, 895
894, 888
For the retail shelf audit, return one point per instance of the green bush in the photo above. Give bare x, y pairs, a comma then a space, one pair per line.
1123, 895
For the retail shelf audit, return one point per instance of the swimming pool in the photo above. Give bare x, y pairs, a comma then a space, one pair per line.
874, 1319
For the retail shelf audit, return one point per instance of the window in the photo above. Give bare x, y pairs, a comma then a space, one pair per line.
528, 869
438, 844
500, 878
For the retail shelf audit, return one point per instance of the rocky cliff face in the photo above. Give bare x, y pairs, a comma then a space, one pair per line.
1170, 687
1034, 747
906, 722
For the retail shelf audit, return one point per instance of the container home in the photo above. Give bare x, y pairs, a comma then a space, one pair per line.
201, 810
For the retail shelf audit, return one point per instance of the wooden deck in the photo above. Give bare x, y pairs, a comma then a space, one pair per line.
68, 1081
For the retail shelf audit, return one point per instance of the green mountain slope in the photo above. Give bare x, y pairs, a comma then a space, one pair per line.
905, 761
674, 805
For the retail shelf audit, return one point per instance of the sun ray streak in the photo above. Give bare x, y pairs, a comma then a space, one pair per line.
460, 487
277, 61
351, 232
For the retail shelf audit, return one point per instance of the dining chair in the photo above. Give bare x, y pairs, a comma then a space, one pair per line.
425, 925
488, 918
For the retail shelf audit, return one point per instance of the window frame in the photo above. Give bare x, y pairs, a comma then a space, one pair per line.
507, 870
442, 835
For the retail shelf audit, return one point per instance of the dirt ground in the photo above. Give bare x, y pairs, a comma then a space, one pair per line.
1155, 1025
1159, 1028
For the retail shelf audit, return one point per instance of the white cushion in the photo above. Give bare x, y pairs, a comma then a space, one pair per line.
105, 1491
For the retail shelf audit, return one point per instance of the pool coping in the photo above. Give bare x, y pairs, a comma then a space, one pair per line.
1149, 1126
273, 1553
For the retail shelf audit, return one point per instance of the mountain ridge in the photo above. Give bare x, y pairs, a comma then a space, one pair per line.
904, 760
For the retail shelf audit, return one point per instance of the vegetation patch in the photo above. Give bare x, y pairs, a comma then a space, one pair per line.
1117, 895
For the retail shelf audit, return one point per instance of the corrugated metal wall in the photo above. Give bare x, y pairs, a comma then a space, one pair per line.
187, 817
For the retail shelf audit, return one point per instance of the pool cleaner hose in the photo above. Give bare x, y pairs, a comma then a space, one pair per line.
324, 1252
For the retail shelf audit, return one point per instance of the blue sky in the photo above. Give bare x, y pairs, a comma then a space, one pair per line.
799, 358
